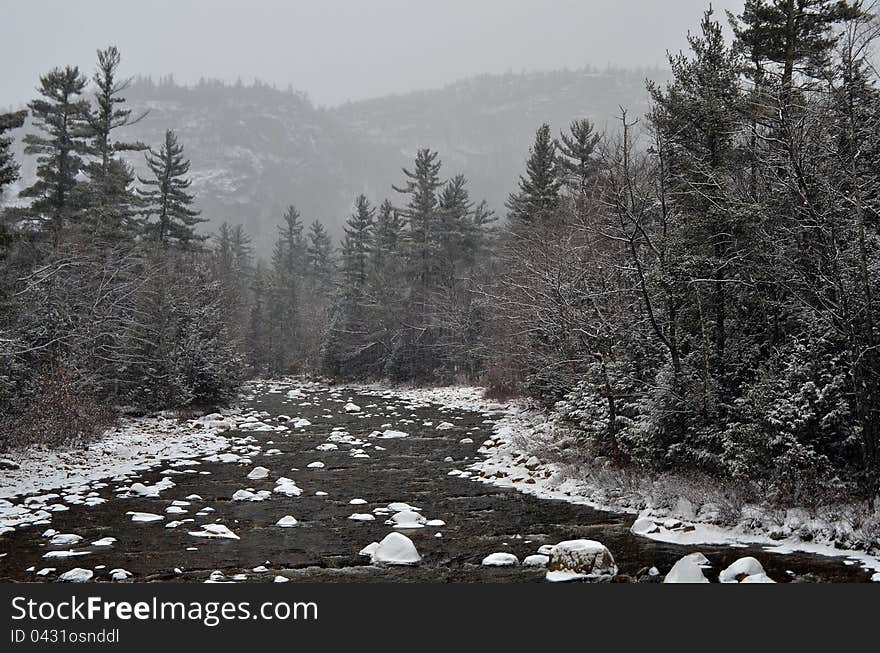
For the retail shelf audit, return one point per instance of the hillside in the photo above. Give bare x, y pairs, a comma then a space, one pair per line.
254, 149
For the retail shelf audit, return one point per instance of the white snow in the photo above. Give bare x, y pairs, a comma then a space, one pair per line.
740, 569
286, 522
406, 519
258, 473
144, 517
136, 444
351, 408
287, 487
536, 560
685, 570
577, 559
77, 575
105, 541
395, 549
65, 539
500, 560
212, 531
362, 517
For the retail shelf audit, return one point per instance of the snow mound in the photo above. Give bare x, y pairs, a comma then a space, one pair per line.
120, 574
500, 560
758, 578
391, 434
215, 531
65, 539
578, 559
286, 522
105, 541
685, 570
258, 473
395, 549
287, 487
369, 549
536, 560
740, 570
406, 519
351, 408
358, 516
144, 517
77, 575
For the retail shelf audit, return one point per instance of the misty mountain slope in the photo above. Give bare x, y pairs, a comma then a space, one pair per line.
483, 126
255, 149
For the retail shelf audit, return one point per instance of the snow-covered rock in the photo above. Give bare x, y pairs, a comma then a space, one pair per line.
105, 541
369, 549
757, 578
407, 519
358, 516
65, 539
120, 574
500, 560
215, 531
685, 570
391, 434
315, 465
286, 522
395, 549
536, 560
258, 473
577, 559
741, 569
77, 575
351, 407
287, 487
144, 517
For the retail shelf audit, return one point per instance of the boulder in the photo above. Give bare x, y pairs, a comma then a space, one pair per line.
685, 570
395, 549
77, 575
578, 559
741, 569
500, 560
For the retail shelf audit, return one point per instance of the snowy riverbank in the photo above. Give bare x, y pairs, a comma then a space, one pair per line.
525, 442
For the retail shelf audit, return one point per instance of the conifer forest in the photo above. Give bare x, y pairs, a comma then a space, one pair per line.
683, 293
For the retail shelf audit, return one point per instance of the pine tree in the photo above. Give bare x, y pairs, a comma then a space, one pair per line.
357, 245
319, 260
63, 117
259, 345
112, 198
577, 156
795, 35
8, 166
288, 260
166, 198
536, 204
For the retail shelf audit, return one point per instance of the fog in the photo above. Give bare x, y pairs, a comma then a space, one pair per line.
337, 50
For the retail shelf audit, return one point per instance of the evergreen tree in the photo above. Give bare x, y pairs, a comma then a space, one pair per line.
63, 117
577, 156
112, 199
536, 204
8, 166
288, 260
166, 198
795, 35
357, 245
319, 260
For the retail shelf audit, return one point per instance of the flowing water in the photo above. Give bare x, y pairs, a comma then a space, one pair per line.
323, 546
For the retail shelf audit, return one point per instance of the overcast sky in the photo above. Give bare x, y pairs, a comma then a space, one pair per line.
339, 49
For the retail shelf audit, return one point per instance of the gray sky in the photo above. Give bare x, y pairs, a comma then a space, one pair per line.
339, 49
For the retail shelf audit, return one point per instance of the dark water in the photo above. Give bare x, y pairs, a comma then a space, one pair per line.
480, 519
